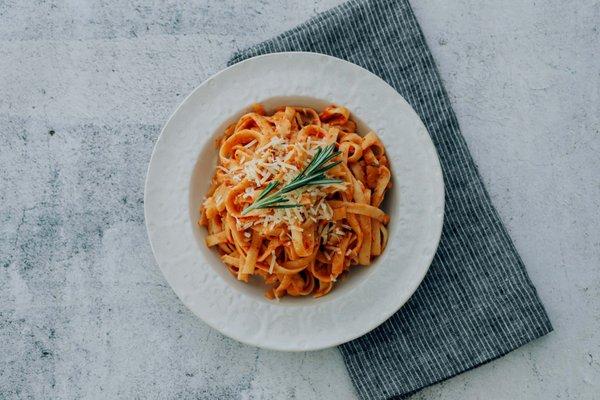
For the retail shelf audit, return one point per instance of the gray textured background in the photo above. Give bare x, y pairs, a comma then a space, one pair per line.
84, 310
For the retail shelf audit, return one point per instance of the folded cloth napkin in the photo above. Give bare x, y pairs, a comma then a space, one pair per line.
476, 302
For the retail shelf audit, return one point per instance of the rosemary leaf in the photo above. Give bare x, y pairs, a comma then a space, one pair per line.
286, 205
267, 190
327, 167
326, 182
313, 174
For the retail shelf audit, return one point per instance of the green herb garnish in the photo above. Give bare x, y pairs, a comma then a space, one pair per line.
313, 174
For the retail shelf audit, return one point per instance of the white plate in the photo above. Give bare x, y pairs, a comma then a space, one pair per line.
183, 162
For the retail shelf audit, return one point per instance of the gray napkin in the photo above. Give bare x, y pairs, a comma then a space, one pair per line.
477, 302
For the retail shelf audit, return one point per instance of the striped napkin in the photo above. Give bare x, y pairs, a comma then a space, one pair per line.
477, 302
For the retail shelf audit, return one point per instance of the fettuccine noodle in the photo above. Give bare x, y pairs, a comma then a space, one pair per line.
300, 250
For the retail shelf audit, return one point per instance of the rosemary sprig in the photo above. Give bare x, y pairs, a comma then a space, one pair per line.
312, 174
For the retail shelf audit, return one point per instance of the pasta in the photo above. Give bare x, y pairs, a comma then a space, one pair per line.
276, 209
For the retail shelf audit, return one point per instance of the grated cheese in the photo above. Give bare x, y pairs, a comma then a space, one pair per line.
271, 161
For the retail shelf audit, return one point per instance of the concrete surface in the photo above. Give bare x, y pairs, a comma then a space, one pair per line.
84, 90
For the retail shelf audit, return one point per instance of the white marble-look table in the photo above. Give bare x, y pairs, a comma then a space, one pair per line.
84, 90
